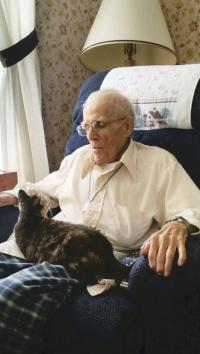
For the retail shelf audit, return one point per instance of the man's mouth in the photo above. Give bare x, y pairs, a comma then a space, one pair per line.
96, 148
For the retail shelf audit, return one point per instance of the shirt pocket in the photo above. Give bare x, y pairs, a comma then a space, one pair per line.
130, 225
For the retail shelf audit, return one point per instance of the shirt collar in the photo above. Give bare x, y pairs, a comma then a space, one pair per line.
87, 165
128, 159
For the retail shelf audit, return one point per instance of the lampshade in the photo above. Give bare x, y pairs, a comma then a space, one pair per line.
120, 22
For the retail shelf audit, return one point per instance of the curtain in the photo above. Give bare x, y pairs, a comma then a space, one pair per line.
22, 140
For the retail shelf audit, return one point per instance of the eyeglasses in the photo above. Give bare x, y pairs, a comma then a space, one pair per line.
97, 125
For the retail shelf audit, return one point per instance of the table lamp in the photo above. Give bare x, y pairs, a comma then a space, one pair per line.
128, 32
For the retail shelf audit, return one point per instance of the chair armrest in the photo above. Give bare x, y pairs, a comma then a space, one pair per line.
169, 305
141, 276
8, 218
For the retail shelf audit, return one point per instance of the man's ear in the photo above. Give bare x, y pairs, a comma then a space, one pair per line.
128, 126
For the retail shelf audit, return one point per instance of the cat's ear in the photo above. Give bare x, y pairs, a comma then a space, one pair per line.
22, 195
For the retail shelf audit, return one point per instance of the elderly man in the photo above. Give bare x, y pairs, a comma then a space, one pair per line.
132, 192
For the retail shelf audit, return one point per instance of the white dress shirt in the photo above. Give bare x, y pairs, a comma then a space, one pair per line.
126, 200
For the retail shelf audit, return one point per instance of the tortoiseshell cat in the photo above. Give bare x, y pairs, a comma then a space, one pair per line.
84, 251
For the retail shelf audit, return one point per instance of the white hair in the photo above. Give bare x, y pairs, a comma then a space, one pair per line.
117, 105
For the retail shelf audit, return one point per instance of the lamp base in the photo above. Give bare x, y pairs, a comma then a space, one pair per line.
129, 62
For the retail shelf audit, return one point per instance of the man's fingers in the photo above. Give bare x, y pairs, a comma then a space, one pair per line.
144, 250
181, 254
152, 255
161, 255
166, 253
170, 254
162, 246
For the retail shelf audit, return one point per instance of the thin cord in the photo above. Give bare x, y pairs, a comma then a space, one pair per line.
102, 186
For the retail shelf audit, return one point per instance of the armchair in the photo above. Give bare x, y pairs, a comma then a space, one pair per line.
155, 315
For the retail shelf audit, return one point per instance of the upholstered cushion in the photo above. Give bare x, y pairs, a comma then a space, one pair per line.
162, 96
109, 323
8, 217
169, 306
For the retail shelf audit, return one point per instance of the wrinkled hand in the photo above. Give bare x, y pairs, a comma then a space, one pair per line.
162, 245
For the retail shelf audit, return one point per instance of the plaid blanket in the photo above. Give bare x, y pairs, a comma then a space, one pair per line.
29, 295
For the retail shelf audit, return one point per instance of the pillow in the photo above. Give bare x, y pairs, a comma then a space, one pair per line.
163, 96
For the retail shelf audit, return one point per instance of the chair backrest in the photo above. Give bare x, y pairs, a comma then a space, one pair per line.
184, 144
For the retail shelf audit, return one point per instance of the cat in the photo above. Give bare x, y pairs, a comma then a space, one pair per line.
84, 251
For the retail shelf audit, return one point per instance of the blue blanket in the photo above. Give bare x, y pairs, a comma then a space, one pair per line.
29, 295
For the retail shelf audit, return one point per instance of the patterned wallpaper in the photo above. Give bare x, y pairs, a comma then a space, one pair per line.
183, 20
62, 27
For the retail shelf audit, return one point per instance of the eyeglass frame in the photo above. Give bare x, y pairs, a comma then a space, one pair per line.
100, 125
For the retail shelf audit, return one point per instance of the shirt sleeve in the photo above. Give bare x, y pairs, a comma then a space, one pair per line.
49, 185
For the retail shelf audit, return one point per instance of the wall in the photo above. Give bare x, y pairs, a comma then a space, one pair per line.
183, 20
62, 27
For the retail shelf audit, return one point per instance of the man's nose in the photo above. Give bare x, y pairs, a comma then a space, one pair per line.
92, 133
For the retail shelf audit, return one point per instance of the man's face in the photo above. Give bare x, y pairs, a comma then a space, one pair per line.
107, 143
